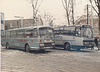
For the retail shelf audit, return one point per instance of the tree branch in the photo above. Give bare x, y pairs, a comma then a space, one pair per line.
63, 4
95, 9
69, 3
36, 3
66, 4
93, 6
39, 4
96, 2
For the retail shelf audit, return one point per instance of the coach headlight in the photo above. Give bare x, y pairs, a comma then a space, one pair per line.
41, 44
84, 43
53, 43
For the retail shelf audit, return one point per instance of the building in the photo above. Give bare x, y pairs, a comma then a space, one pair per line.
95, 25
11, 24
2, 21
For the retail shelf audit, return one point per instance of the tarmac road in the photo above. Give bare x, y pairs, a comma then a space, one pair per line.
52, 60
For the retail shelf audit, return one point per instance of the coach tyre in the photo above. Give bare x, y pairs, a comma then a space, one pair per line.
27, 48
67, 46
7, 45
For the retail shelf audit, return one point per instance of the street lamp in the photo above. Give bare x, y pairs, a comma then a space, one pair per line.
87, 8
21, 19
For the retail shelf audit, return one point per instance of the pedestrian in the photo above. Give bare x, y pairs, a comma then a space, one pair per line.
96, 42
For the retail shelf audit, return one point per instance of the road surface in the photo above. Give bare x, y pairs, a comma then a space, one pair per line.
52, 60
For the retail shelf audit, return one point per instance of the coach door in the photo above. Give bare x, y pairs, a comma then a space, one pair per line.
58, 38
32, 37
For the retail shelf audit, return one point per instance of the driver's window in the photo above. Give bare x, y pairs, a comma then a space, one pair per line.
88, 32
78, 32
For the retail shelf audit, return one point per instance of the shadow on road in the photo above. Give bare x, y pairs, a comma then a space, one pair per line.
74, 50
32, 51
81, 50
40, 52
50, 50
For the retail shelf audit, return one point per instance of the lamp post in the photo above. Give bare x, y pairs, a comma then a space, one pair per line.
91, 15
88, 12
21, 19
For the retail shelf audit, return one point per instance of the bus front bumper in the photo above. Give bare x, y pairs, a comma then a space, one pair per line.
82, 47
47, 45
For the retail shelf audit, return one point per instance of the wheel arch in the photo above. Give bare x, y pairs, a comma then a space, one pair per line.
26, 44
67, 42
27, 49
7, 43
69, 45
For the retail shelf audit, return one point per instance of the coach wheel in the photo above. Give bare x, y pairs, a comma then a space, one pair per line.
7, 46
92, 48
27, 48
67, 46
42, 50
78, 49
53, 47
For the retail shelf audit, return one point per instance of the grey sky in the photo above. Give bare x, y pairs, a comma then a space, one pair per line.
23, 8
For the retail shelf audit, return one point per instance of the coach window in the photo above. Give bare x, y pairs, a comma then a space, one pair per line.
29, 33
35, 33
17, 33
3, 35
55, 32
20, 33
69, 32
11, 34
14, 34
61, 32
78, 32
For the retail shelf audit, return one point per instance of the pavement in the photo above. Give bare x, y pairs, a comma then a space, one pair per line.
52, 60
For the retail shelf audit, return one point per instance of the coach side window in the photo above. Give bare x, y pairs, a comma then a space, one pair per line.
11, 34
3, 35
14, 34
56, 32
8, 34
29, 33
20, 33
69, 32
35, 33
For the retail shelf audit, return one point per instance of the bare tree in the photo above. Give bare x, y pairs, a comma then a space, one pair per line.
48, 19
97, 8
35, 6
69, 8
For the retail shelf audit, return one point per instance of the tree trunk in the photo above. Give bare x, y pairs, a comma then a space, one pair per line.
99, 17
68, 17
99, 23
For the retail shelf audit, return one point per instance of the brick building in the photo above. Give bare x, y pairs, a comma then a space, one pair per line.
11, 24
2, 22
83, 20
